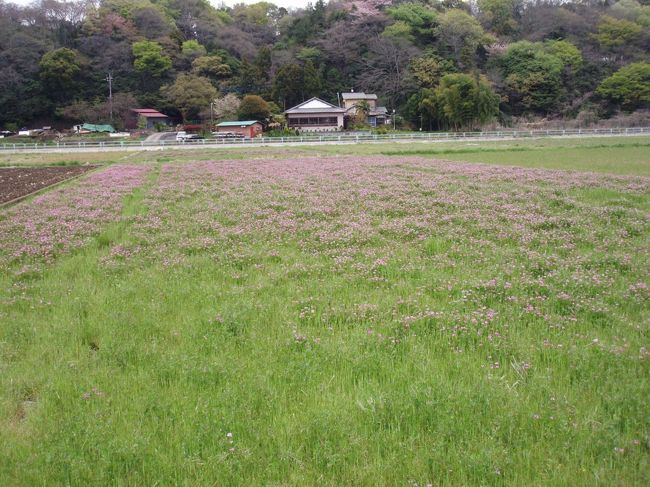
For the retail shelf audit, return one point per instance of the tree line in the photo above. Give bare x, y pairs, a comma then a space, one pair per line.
444, 64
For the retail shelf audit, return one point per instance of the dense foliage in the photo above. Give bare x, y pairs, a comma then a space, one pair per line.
529, 59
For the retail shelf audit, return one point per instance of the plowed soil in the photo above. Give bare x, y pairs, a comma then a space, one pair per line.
17, 181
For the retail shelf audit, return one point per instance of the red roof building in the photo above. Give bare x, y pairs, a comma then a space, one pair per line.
152, 117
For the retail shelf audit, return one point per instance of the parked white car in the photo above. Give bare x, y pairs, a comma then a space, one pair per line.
183, 136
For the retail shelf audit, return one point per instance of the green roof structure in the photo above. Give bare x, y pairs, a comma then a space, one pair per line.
91, 127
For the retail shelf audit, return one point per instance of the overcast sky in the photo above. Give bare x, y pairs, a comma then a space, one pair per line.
279, 3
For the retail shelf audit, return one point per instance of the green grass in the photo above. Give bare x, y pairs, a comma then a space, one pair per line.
243, 307
614, 159
614, 155
607, 155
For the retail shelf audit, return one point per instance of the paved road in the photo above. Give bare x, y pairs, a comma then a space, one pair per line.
160, 136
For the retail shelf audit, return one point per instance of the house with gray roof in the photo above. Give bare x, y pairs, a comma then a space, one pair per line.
315, 115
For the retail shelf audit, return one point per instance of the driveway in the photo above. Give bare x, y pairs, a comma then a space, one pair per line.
160, 136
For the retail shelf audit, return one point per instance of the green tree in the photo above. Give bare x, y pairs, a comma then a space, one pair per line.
312, 84
211, 67
628, 87
58, 71
248, 80
361, 112
263, 62
459, 35
287, 85
421, 109
567, 52
400, 29
464, 101
149, 59
192, 49
613, 33
413, 20
312, 54
532, 77
190, 94
253, 107
428, 70
632, 10
498, 16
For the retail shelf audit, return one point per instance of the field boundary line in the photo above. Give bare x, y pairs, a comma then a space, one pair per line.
15, 201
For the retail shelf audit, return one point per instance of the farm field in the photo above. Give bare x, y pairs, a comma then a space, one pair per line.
301, 317
615, 155
16, 182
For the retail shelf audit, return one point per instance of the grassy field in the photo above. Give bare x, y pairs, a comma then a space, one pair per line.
300, 317
616, 155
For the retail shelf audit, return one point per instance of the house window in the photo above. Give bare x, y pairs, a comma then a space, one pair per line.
313, 121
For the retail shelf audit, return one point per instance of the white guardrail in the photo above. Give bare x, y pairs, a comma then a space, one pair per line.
329, 137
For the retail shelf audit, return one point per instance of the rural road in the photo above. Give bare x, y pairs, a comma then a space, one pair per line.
160, 136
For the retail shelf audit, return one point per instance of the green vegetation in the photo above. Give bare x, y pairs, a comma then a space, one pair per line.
149, 59
190, 94
629, 86
253, 107
543, 60
613, 155
603, 155
463, 101
330, 321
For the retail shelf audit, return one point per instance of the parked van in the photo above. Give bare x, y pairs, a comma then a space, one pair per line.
183, 136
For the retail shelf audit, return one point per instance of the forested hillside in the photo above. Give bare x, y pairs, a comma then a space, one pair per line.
448, 64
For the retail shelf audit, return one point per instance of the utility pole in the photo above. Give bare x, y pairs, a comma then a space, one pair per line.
110, 79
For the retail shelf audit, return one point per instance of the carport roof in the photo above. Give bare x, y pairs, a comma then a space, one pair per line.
238, 123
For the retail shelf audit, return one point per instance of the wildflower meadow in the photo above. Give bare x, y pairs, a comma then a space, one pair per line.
338, 320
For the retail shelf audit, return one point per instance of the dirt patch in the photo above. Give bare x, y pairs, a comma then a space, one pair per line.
18, 181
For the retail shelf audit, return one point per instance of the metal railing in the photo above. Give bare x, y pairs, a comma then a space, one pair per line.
323, 138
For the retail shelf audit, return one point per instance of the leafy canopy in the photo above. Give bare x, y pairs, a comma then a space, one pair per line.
463, 100
150, 59
253, 107
532, 76
614, 32
629, 86
190, 94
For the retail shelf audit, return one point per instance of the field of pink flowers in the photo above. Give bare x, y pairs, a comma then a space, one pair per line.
356, 321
